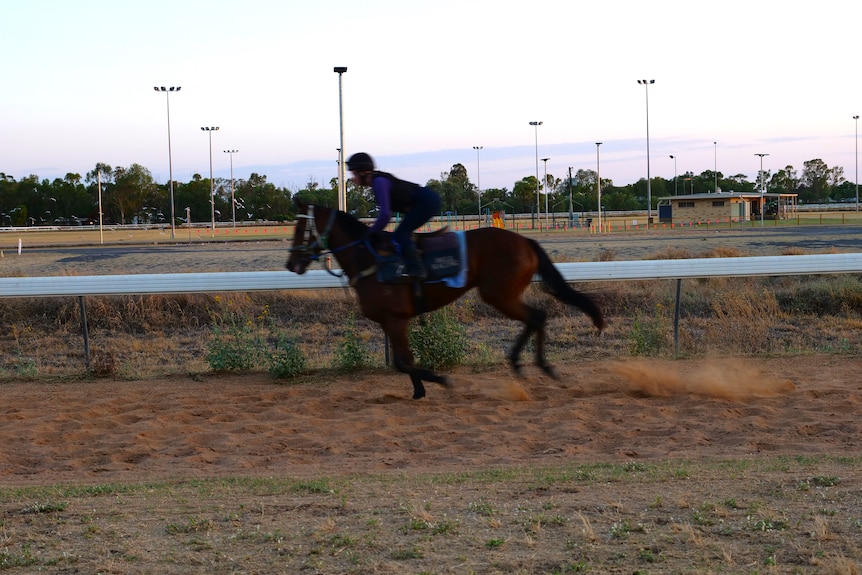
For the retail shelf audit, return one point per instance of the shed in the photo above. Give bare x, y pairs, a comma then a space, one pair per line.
725, 207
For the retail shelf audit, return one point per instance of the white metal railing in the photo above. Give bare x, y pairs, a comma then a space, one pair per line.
136, 284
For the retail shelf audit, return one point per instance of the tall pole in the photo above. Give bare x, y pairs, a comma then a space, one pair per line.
479, 182
675, 189
599, 184
167, 92
762, 189
856, 117
646, 84
545, 183
536, 130
342, 184
209, 130
715, 164
101, 228
571, 211
232, 199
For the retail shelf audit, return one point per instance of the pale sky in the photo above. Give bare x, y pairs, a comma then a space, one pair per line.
426, 82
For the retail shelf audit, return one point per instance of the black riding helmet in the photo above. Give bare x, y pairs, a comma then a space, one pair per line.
360, 162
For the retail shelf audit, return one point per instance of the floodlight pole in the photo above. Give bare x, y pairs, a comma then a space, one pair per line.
675, 189
856, 117
545, 183
538, 206
167, 91
342, 185
479, 182
232, 200
646, 84
599, 185
762, 189
209, 130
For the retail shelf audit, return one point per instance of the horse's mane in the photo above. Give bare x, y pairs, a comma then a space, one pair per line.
351, 225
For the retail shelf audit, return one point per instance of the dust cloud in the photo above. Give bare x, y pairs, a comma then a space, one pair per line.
730, 379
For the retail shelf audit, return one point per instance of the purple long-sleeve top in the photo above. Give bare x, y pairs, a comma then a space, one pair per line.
382, 189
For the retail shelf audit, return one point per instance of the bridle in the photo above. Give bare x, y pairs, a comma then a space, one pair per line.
316, 243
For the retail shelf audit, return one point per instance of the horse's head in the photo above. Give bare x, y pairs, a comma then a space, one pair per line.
306, 239
322, 230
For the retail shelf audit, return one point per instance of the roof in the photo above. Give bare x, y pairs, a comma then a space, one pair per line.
739, 195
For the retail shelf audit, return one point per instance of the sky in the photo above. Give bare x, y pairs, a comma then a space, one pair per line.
426, 82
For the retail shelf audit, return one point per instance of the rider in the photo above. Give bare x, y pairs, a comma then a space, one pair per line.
418, 204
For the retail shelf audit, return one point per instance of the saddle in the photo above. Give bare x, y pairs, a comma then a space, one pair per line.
440, 251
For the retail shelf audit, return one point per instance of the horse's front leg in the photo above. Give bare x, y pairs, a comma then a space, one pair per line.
402, 357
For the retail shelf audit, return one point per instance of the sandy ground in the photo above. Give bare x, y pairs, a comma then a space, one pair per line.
107, 431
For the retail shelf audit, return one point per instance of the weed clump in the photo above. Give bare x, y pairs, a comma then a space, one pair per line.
438, 340
243, 344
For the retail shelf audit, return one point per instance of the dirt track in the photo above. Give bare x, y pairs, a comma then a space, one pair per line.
228, 425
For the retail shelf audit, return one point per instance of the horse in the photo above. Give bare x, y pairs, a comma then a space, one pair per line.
500, 264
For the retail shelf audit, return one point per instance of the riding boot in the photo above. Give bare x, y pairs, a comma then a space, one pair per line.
413, 267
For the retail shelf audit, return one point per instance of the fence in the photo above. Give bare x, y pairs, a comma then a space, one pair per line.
138, 284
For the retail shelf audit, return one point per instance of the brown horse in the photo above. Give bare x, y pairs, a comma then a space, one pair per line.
500, 263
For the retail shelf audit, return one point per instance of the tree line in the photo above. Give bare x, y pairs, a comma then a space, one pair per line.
130, 195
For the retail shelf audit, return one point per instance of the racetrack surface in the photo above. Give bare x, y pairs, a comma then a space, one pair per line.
229, 425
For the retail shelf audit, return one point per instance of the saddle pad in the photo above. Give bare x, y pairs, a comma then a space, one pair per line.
446, 258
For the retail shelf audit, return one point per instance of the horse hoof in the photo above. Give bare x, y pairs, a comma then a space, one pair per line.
550, 371
444, 381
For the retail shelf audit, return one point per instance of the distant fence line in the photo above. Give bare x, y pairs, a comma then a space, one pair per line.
215, 282
612, 221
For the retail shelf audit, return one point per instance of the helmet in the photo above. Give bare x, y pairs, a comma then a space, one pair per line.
360, 162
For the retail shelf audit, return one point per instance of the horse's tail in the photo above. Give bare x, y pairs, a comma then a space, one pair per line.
555, 284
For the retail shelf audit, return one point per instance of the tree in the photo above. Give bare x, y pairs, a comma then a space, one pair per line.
360, 200
619, 199
457, 193
524, 194
784, 181
816, 177
71, 196
267, 202
133, 188
836, 178
491, 195
739, 183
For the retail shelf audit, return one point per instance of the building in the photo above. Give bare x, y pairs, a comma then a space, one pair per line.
725, 207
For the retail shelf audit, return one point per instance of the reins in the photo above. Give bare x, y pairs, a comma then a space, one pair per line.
315, 239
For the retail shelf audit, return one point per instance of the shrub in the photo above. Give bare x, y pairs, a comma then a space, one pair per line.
241, 344
286, 360
649, 335
233, 347
438, 340
351, 353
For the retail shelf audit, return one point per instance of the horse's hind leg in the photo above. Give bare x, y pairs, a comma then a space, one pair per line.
541, 362
535, 323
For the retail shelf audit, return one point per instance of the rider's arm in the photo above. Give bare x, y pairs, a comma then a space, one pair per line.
382, 188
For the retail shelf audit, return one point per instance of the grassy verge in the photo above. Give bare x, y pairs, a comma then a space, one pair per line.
797, 515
